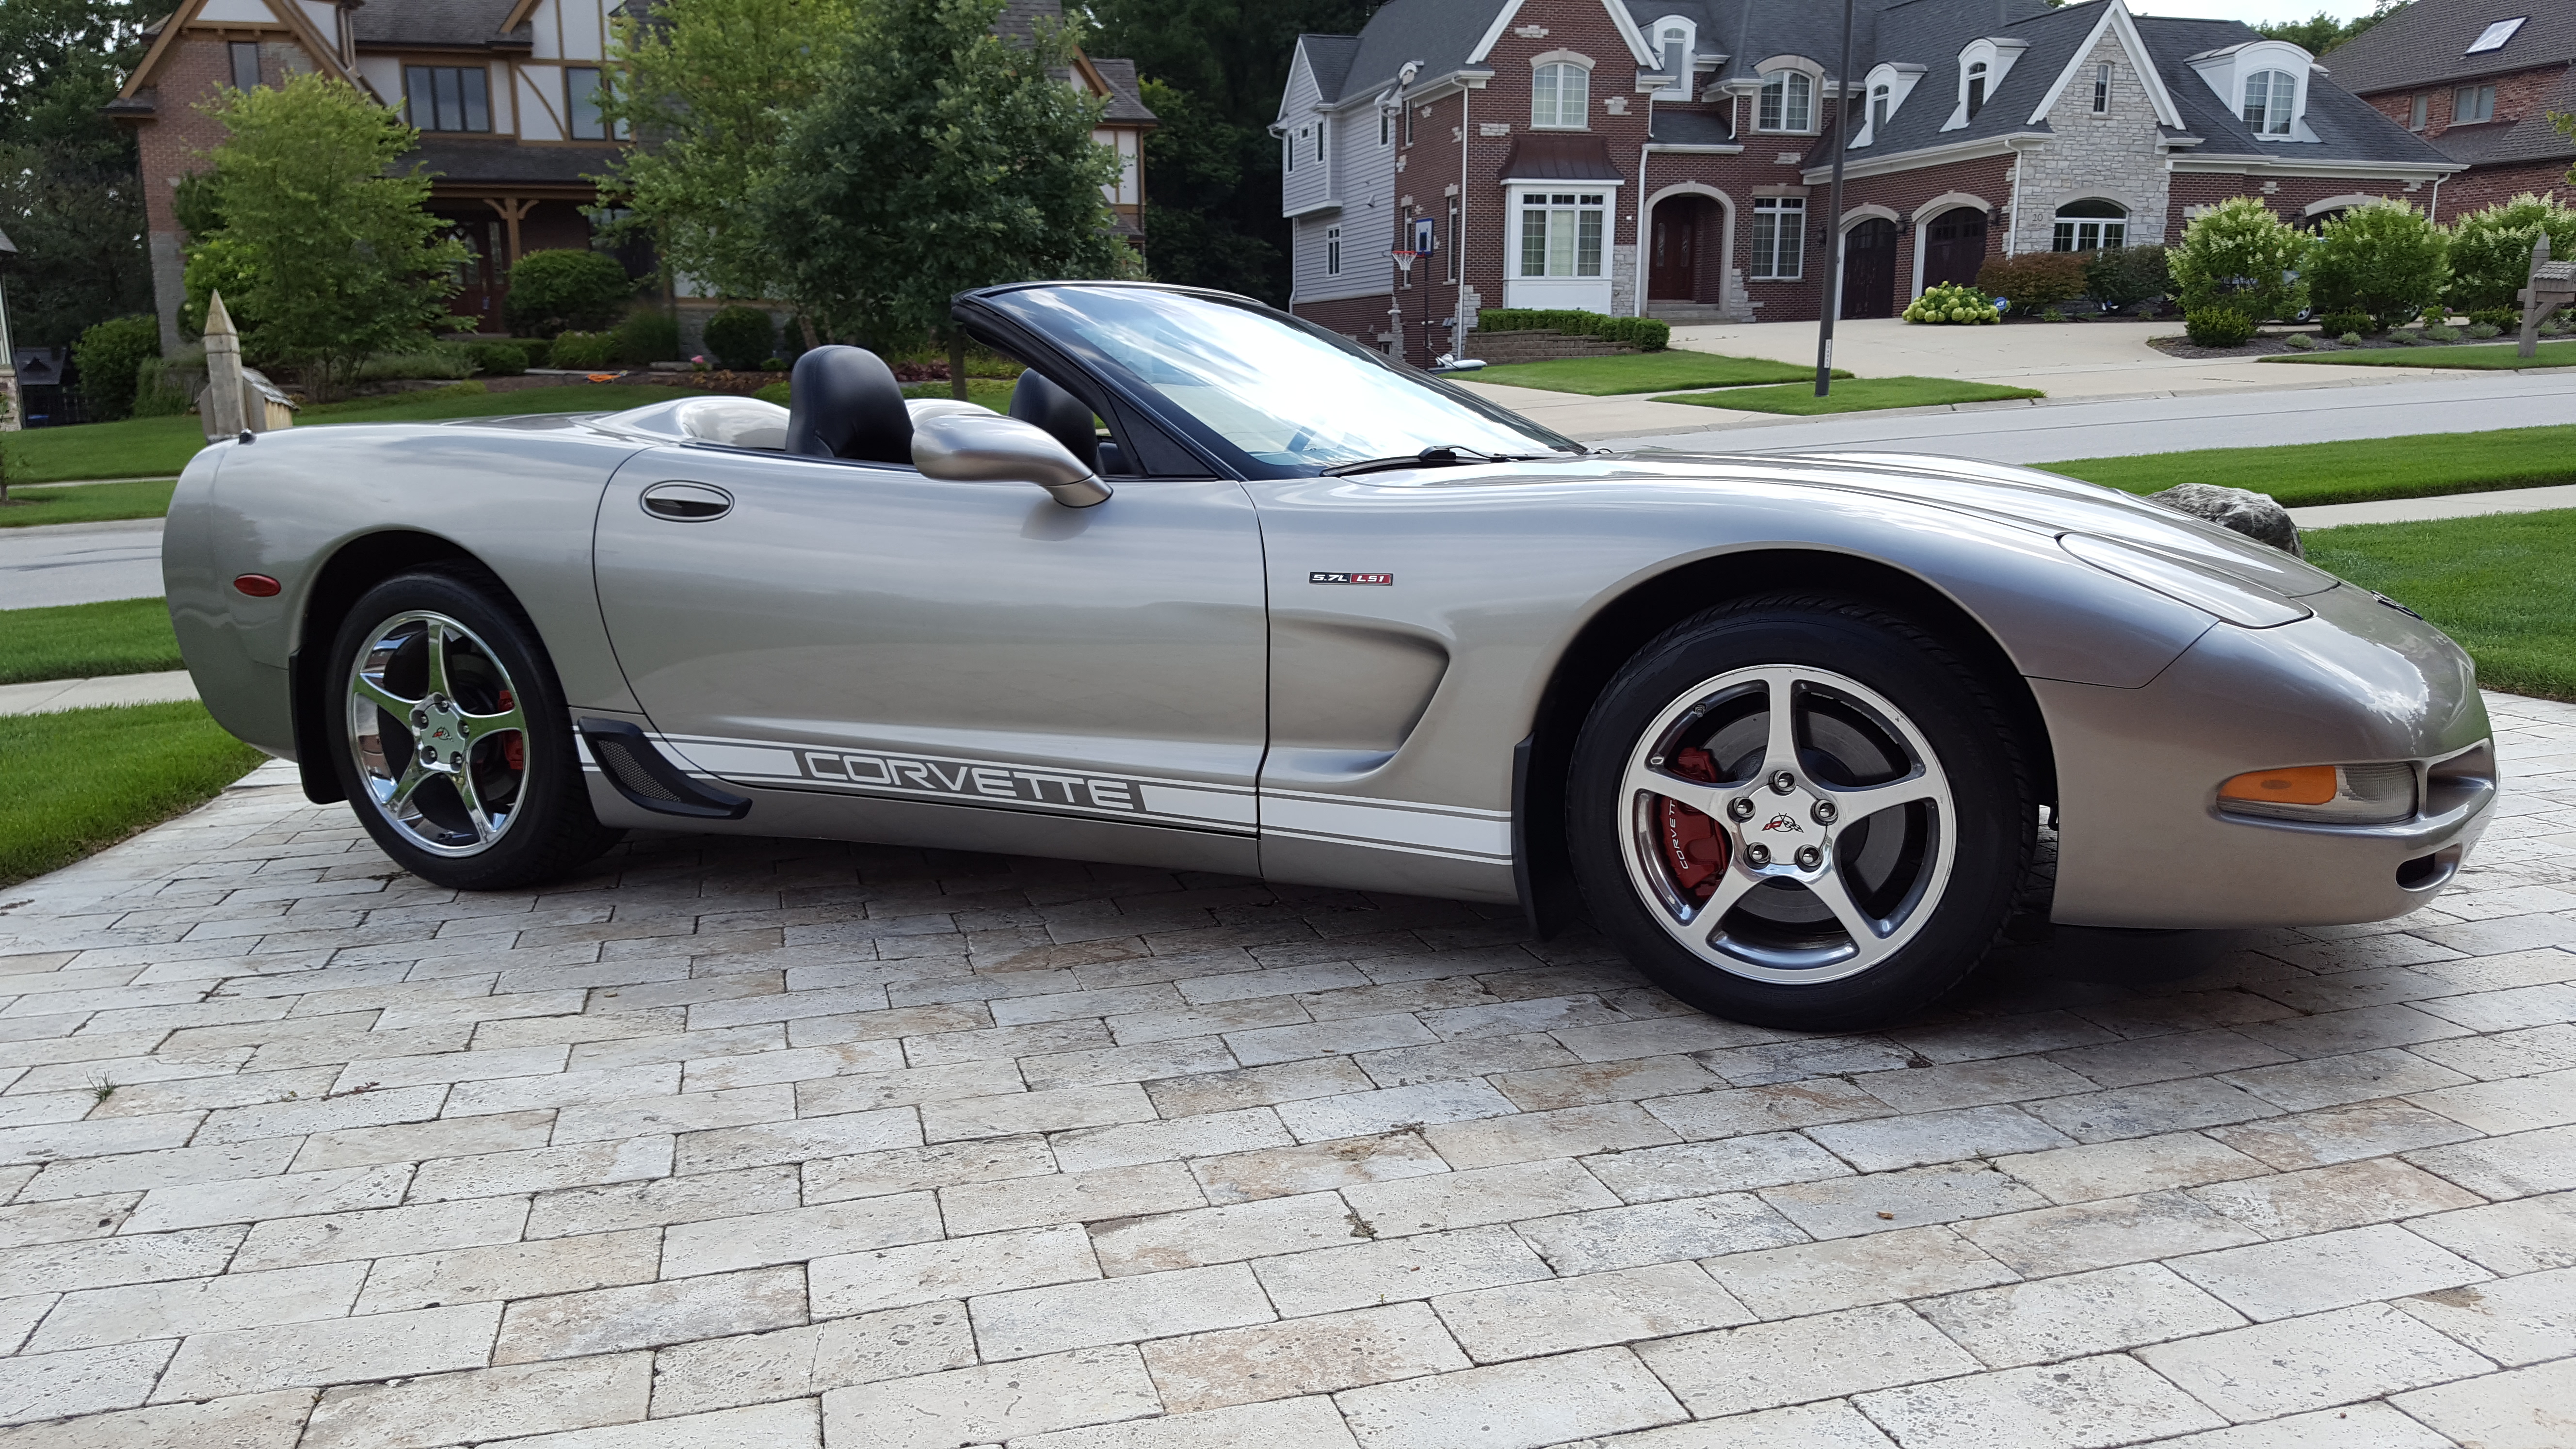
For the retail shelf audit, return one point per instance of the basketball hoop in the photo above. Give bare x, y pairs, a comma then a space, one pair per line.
1403, 258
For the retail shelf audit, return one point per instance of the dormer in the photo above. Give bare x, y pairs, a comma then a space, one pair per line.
2265, 82
1983, 64
1883, 92
1790, 97
1675, 41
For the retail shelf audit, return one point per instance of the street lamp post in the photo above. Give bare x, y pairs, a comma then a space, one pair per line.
1834, 218
12, 405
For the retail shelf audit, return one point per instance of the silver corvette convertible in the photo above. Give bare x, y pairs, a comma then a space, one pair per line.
1226, 592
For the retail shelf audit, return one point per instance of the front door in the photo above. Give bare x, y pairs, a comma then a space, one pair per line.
1954, 247
1869, 269
1672, 271
863, 631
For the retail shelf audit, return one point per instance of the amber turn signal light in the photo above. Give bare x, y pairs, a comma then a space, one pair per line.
2297, 785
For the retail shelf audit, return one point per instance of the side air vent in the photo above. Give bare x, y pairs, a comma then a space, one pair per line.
648, 780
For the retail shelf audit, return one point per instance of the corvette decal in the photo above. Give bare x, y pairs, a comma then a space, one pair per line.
1337, 576
1411, 827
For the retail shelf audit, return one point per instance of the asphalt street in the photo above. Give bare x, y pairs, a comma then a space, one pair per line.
2006, 433
79, 563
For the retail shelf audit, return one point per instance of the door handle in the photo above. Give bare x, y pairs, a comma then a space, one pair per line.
683, 502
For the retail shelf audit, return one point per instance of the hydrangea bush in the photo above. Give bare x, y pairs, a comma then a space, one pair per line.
1955, 303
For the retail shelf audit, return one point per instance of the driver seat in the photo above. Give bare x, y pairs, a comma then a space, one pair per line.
844, 402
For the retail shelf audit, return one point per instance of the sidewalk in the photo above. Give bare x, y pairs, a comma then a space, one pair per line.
48, 695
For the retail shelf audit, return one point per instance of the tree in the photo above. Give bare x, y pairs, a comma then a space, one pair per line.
2322, 32
108, 356
938, 158
69, 196
2386, 259
710, 88
342, 259
2239, 256
1211, 165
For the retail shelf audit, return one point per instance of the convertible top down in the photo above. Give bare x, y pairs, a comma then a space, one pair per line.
1227, 592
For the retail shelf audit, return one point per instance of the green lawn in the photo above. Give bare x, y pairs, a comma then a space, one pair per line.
2495, 357
81, 641
84, 779
1641, 372
160, 447
1864, 395
86, 502
2500, 584
2421, 466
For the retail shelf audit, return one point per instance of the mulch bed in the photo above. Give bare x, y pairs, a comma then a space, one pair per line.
2267, 343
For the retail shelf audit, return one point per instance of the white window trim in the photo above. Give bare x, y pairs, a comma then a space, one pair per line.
2103, 75
1815, 102
2226, 71
1580, 62
2265, 131
1998, 57
1332, 251
1683, 83
1899, 81
2060, 218
1777, 207
1519, 193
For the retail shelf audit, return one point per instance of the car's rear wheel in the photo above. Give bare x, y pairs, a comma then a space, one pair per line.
1800, 812
452, 739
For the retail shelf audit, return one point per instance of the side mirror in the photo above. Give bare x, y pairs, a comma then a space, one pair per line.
988, 448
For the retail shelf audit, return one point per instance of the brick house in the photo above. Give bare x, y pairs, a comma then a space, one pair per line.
1670, 157
2478, 79
503, 94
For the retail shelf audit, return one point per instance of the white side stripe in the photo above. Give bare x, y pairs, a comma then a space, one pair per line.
1398, 825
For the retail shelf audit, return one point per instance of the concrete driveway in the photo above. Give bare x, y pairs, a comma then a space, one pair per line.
791, 1144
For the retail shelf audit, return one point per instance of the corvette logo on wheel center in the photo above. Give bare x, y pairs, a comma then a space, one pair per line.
1782, 822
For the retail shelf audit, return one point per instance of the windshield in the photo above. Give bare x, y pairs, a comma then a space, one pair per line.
1288, 398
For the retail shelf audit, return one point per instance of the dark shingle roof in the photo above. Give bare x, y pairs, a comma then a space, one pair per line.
2426, 43
503, 161
1559, 156
1126, 98
2346, 127
1438, 33
1690, 128
1931, 34
430, 22
1329, 56
2533, 138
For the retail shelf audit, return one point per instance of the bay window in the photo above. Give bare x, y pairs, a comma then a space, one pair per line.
1561, 234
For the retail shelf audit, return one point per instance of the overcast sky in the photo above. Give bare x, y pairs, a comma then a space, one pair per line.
2252, 12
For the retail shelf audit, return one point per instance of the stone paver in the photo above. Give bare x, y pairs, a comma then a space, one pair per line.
752, 1142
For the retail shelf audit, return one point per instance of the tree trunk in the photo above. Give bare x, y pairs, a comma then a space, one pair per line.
957, 365
806, 325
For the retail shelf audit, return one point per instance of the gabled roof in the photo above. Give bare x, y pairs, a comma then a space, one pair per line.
1126, 97
1329, 57
2347, 129
1442, 34
323, 51
1931, 33
2427, 43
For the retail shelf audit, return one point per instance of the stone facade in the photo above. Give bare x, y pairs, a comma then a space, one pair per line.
2113, 155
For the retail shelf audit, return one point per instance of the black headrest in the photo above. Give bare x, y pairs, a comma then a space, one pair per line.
1036, 400
843, 402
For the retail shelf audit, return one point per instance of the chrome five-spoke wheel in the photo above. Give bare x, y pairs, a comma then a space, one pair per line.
437, 733
1787, 823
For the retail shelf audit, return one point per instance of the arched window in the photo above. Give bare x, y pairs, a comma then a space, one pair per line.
2268, 98
1877, 110
1788, 102
1560, 94
1976, 89
2091, 225
1676, 56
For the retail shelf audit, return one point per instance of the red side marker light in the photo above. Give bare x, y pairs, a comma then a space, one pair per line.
258, 586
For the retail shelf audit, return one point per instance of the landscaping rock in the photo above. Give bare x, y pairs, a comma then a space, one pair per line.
2252, 514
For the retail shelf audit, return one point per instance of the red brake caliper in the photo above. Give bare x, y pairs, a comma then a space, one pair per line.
1693, 845
514, 750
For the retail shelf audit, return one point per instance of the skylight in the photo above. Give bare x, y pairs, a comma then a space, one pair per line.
2495, 36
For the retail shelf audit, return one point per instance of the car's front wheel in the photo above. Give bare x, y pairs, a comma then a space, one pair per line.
452, 738
1800, 812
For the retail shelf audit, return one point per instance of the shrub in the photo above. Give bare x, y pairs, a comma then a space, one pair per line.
1646, 334
2491, 253
2300, 342
2125, 276
2218, 326
647, 334
445, 360
2439, 333
2239, 255
2386, 259
2484, 330
498, 359
583, 351
2502, 319
1953, 304
107, 356
2034, 281
566, 290
2346, 322
2404, 339
166, 387
741, 336
2350, 339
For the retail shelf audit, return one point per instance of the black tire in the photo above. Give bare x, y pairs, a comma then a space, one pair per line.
1619, 834
547, 828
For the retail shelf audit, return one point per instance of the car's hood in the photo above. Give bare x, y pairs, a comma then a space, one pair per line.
2027, 498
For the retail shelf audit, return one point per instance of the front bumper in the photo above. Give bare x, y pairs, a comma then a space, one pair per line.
2141, 840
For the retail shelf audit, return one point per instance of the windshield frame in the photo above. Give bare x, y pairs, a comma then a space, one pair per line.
995, 304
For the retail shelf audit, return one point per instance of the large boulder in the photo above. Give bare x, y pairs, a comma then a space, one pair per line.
2252, 514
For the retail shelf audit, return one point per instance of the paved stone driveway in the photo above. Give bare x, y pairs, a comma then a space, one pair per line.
770, 1143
